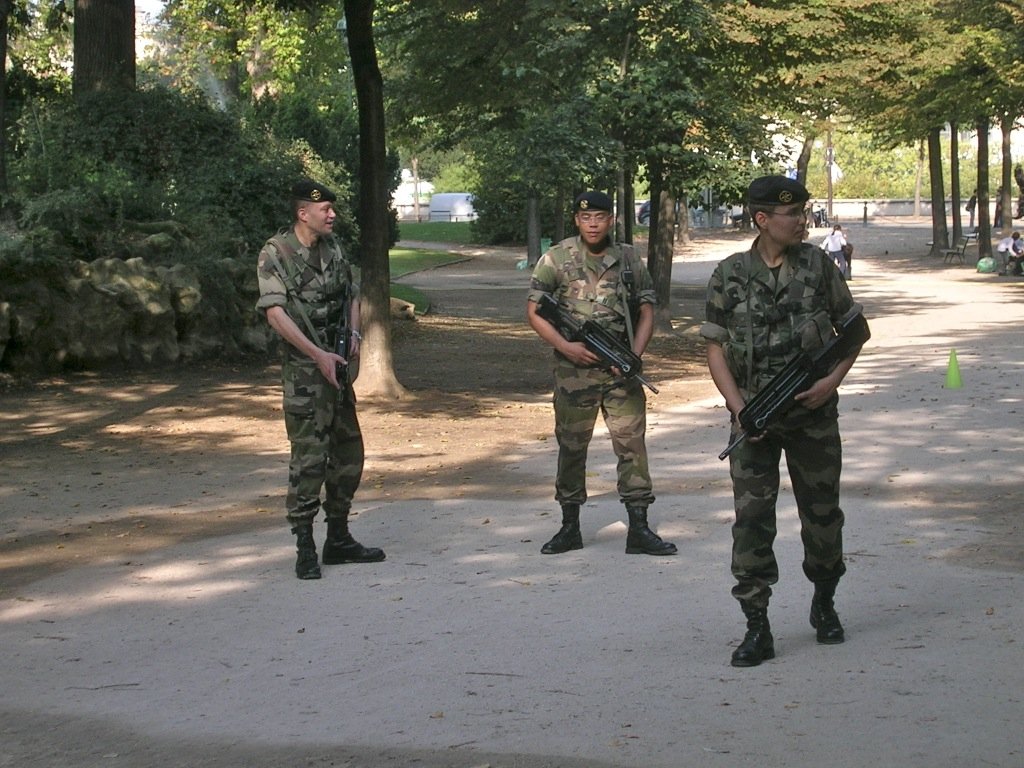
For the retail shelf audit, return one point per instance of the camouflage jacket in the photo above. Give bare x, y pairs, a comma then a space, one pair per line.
310, 281
570, 276
763, 320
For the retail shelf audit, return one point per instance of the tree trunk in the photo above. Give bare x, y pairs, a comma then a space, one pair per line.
660, 246
804, 160
628, 205
917, 180
940, 232
830, 156
683, 224
377, 373
104, 46
1006, 125
559, 213
5, 12
954, 180
532, 229
984, 224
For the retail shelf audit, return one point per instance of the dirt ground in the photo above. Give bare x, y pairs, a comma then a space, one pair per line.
477, 378
151, 616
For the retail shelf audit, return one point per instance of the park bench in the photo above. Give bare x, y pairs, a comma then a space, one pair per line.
949, 254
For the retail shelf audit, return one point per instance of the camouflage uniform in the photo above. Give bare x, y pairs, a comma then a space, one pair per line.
762, 320
589, 288
326, 442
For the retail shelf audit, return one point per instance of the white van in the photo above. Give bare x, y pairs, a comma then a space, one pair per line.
452, 206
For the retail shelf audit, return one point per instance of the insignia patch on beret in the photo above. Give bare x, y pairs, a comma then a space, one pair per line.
315, 195
785, 196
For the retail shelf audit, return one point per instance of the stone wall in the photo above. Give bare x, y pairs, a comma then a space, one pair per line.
114, 312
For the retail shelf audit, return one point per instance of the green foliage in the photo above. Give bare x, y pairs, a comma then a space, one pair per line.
872, 169
456, 177
88, 170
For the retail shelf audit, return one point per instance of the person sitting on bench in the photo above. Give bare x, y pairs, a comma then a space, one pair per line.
1009, 250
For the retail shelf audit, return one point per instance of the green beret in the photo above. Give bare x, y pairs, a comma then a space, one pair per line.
776, 190
313, 192
593, 201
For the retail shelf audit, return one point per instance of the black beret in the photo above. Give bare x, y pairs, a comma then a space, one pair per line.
593, 201
776, 190
313, 192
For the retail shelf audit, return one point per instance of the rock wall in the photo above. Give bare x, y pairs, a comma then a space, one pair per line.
114, 312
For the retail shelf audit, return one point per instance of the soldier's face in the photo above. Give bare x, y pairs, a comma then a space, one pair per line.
319, 217
786, 224
594, 227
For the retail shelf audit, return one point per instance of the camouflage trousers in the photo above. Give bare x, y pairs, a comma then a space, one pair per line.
579, 394
326, 445
814, 457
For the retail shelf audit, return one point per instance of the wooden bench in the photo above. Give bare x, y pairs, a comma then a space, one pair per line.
949, 254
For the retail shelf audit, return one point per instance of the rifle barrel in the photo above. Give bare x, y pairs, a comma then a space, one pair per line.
732, 446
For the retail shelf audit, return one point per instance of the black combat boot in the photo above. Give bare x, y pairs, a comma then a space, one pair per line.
340, 547
306, 565
823, 613
641, 540
568, 536
758, 644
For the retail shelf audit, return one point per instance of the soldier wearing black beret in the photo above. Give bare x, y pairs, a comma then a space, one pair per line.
306, 286
765, 306
769, 191
593, 201
593, 278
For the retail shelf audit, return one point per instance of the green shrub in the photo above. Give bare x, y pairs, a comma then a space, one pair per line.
90, 169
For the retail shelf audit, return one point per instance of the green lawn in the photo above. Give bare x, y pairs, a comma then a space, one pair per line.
406, 260
436, 231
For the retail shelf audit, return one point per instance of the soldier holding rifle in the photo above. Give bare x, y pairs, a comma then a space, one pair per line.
309, 296
590, 279
766, 306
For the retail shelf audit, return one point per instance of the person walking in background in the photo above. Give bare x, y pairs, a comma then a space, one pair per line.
766, 305
305, 285
594, 279
835, 245
971, 207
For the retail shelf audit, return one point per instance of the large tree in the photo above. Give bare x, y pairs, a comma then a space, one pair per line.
104, 45
377, 376
5, 15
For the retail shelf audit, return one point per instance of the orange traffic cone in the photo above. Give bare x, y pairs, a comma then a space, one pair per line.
953, 372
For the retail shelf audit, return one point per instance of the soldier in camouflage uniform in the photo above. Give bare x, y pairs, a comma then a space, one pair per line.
764, 305
303, 279
585, 275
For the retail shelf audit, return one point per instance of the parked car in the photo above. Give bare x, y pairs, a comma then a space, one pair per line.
643, 216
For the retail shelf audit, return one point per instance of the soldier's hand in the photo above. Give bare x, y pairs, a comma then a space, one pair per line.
819, 394
578, 354
328, 363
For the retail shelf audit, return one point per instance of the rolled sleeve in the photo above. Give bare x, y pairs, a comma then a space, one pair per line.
544, 279
272, 288
714, 332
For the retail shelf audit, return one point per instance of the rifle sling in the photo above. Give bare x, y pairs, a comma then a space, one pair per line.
290, 291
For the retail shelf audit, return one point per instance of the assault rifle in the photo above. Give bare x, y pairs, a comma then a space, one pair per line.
343, 336
771, 403
610, 350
